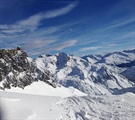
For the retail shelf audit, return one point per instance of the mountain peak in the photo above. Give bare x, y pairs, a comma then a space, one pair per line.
17, 70
12, 52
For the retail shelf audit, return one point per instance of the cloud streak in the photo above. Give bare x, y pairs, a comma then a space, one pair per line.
90, 48
61, 46
33, 22
56, 47
121, 23
38, 42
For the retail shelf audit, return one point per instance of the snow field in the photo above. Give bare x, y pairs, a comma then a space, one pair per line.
112, 107
18, 106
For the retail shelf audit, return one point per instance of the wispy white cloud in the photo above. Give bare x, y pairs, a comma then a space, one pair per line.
62, 45
40, 41
56, 47
126, 36
33, 22
37, 43
89, 48
59, 12
119, 23
111, 45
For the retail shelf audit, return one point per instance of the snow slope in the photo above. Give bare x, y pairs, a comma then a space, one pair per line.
112, 107
18, 106
41, 88
35, 102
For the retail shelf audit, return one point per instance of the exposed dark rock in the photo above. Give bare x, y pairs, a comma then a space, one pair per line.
62, 58
17, 71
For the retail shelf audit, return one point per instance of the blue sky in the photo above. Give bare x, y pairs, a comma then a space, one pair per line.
77, 27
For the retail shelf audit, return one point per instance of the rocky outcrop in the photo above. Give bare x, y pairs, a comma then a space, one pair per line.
18, 70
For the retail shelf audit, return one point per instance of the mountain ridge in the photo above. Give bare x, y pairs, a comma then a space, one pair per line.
68, 70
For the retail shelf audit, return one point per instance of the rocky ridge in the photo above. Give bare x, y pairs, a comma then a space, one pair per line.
18, 70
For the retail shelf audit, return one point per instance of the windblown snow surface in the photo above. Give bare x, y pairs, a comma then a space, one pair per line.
24, 106
88, 88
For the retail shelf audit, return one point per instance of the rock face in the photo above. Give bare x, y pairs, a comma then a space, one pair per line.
18, 70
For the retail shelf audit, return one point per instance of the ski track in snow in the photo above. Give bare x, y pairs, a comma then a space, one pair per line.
98, 108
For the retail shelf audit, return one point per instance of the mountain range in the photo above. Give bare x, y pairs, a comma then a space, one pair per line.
90, 87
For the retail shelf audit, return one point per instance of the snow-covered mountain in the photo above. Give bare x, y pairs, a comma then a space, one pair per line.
122, 61
100, 77
80, 88
114, 58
